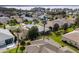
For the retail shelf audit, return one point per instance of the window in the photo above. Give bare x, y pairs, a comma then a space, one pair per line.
9, 41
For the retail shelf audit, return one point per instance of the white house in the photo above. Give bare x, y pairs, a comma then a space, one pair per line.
6, 37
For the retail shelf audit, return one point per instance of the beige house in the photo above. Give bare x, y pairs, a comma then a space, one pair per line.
72, 38
61, 22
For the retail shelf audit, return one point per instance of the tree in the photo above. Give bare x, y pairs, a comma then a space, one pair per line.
33, 33
22, 48
65, 26
77, 21
18, 40
56, 27
12, 22
22, 45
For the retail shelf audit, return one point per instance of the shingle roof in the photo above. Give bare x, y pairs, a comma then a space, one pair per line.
5, 34
4, 19
74, 36
60, 22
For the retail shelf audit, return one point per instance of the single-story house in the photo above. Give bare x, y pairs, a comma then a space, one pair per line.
4, 19
45, 46
72, 38
40, 28
27, 18
61, 22
6, 37
18, 19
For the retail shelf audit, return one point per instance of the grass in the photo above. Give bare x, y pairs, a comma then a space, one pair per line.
57, 38
1, 26
12, 51
70, 29
28, 22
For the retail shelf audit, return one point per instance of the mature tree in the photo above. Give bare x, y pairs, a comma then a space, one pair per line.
12, 22
33, 33
65, 26
56, 27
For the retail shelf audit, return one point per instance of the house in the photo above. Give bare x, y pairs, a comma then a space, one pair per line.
18, 19
72, 38
27, 18
6, 37
45, 46
4, 19
40, 28
61, 22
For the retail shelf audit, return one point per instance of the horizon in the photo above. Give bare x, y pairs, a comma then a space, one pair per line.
28, 7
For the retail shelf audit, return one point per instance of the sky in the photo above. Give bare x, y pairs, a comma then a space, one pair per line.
28, 7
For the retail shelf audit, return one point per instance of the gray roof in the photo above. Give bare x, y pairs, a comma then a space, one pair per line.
4, 19
28, 18
5, 34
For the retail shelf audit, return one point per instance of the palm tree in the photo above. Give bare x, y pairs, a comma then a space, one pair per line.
18, 40
44, 22
17, 43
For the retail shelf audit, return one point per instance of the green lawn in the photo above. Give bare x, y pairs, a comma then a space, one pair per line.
12, 51
70, 29
57, 38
